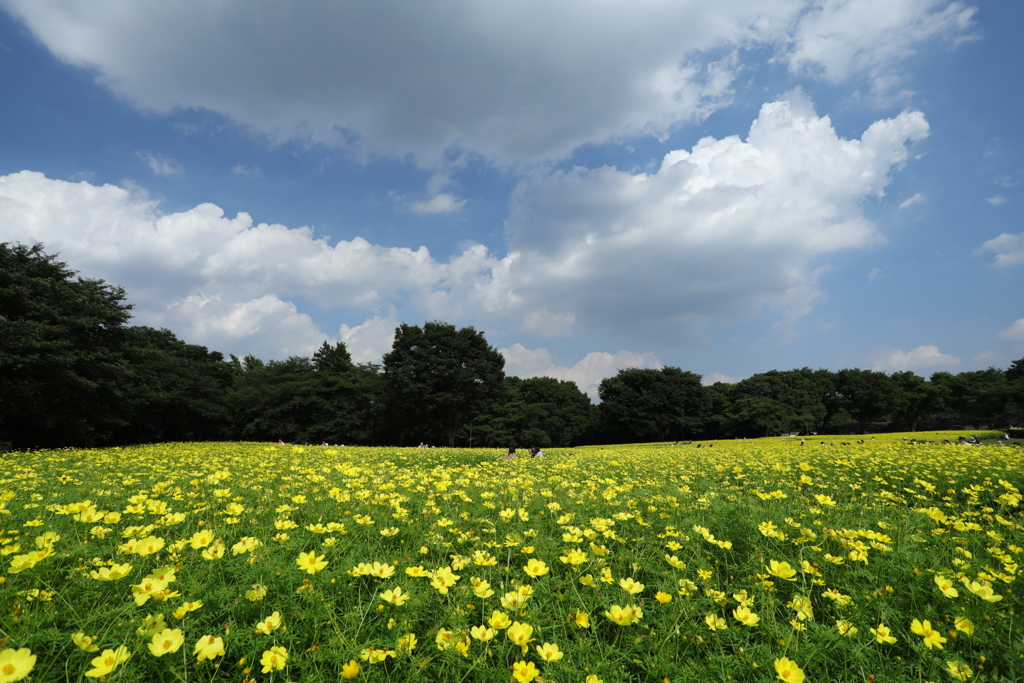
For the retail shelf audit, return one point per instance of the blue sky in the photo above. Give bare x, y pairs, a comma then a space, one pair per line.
727, 187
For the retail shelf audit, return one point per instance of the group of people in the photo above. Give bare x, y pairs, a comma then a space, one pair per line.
534, 453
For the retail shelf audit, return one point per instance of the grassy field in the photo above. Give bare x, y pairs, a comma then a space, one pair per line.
753, 560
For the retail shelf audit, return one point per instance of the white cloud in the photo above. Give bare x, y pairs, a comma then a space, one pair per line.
265, 326
923, 357
513, 81
587, 373
1009, 249
161, 165
716, 377
916, 199
721, 230
224, 282
253, 171
837, 38
1014, 332
442, 203
996, 200
370, 340
874, 274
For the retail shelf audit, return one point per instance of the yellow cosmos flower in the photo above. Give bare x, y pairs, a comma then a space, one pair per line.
520, 634
499, 620
215, 551
781, 570
946, 586
549, 652
201, 539
350, 670
375, 655
270, 624
256, 593
786, 670
745, 616
536, 568
663, 597
84, 642
932, 638
407, 642
983, 590
108, 661
580, 619
16, 664
382, 571
208, 647
167, 641
149, 545
274, 659
846, 628
623, 616
715, 622
958, 670
310, 563
630, 586
395, 596
111, 573
964, 624
151, 624
883, 634
524, 672
482, 633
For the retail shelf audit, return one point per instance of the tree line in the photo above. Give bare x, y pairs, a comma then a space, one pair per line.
74, 373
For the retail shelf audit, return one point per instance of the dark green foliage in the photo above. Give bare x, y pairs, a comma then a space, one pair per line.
178, 390
640, 404
62, 361
777, 402
540, 411
73, 373
439, 378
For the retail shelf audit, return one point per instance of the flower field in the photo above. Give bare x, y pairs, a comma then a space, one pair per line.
754, 560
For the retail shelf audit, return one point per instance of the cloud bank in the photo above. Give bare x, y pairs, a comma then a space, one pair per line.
721, 231
513, 81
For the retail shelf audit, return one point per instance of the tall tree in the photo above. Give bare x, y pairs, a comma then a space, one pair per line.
61, 352
644, 404
438, 378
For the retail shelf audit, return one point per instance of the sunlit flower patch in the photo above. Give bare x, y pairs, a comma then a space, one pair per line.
644, 562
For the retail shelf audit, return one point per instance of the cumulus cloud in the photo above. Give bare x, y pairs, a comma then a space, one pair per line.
371, 339
225, 282
839, 38
587, 373
923, 357
997, 200
513, 81
1014, 332
1009, 249
720, 230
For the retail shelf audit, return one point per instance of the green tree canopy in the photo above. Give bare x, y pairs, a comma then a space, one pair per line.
438, 378
643, 404
62, 359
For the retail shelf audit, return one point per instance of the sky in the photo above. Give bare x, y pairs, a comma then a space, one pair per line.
727, 187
